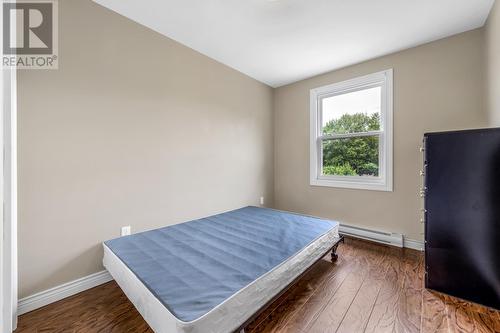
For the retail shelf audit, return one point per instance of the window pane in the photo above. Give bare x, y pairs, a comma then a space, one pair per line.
353, 112
351, 156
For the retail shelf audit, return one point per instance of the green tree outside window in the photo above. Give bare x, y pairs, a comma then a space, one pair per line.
352, 156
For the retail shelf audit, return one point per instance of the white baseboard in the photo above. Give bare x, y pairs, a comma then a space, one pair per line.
414, 244
55, 294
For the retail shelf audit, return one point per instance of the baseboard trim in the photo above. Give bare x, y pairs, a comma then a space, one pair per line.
414, 244
55, 294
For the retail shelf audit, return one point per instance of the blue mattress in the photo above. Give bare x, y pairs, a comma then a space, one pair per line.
192, 267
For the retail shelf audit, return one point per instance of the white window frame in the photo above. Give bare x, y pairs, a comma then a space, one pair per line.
384, 182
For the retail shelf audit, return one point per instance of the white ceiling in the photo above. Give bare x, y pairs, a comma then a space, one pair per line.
282, 41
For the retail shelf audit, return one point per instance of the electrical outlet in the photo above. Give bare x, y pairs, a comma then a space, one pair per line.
261, 201
126, 231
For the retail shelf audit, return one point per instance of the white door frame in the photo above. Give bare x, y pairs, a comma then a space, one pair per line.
8, 195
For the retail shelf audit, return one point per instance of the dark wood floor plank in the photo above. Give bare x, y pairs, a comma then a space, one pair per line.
434, 317
372, 288
278, 319
486, 321
299, 320
386, 308
357, 317
460, 315
334, 312
315, 277
410, 304
101, 309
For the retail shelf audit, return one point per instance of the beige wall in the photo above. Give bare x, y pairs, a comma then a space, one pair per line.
133, 129
438, 86
492, 39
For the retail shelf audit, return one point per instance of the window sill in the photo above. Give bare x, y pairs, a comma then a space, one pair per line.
351, 184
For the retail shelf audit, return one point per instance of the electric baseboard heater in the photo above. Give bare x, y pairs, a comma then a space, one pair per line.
462, 214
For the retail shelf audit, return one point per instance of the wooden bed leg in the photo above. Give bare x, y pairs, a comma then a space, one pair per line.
335, 256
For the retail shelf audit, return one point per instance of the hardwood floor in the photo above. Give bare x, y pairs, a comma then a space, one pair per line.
371, 288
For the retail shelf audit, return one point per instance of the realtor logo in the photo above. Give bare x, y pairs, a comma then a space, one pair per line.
30, 34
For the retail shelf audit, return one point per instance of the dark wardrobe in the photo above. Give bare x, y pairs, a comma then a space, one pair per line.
462, 214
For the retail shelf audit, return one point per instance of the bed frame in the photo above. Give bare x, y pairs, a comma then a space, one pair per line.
334, 258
